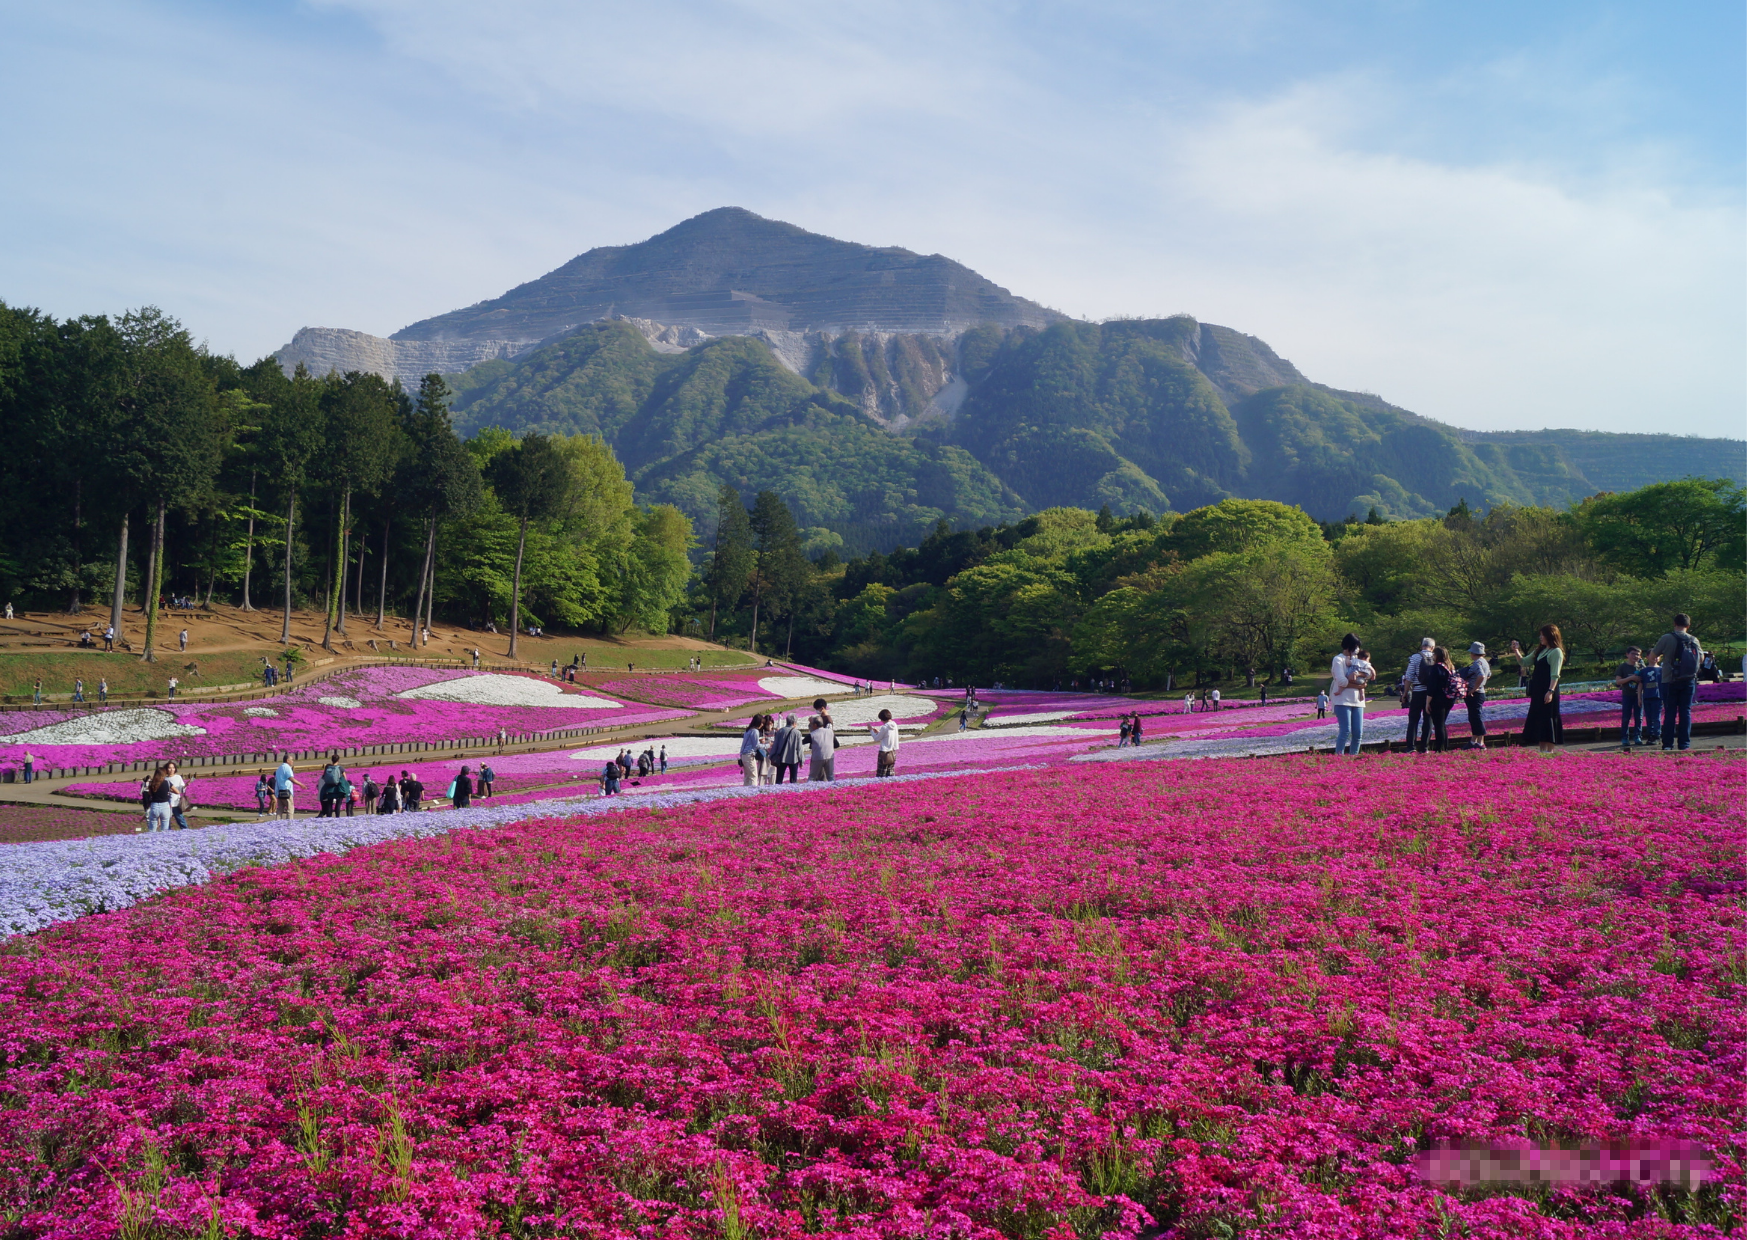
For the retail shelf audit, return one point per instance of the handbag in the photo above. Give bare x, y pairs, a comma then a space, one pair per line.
450, 795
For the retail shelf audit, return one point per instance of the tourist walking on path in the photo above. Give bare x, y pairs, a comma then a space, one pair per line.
332, 788
1189, 702
749, 754
663, 759
1475, 693
103, 691
885, 734
182, 638
1419, 725
1135, 730
1628, 680
1651, 692
1347, 687
822, 745
36, 694
178, 796
1322, 704
388, 801
461, 791
1542, 725
79, 689
786, 749
263, 797
371, 792
283, 784
412, 792
1123, 733
158, 798
1444, 688
1678, 653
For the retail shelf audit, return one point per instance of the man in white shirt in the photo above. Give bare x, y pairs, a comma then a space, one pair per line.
1215, 698
283, 783
885, 734
1189, 702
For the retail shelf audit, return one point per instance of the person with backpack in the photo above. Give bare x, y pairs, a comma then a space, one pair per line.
610, 779
332, 789
1542, 724
371, 793
1444, 689
1678, 653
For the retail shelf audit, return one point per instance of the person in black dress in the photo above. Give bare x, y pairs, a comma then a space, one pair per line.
463, 795
1542, 725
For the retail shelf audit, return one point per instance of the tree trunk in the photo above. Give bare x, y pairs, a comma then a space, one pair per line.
358, 591
345, 557
382, 585
431, 583
712, 634
424, 578
789, 642
516, 590
337, 588
74, 605
249, 545
152, 584
753, 638
290, 523
120, 596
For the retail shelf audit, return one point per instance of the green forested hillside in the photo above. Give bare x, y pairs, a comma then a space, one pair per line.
1157, 414
728, 412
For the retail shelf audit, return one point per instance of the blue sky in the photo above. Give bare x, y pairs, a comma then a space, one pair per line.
1498, 215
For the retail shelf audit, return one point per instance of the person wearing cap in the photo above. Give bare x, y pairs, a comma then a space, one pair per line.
1475, 682
1418, 720
1629, 679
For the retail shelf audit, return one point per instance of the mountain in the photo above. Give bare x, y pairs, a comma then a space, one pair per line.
880, 391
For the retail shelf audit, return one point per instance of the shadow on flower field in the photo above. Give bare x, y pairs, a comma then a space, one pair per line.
1196, 1000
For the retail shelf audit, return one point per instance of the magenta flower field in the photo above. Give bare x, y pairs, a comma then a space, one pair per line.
1153, 1000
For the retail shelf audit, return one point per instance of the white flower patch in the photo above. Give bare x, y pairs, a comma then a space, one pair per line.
344, 703
1003, 734
114, 727
801, 687
691, 748
498, 690
261, 712
858, 711
1038, 716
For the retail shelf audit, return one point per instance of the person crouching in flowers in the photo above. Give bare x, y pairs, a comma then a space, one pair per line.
610, 780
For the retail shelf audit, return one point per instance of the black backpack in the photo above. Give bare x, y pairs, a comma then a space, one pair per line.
1686, 663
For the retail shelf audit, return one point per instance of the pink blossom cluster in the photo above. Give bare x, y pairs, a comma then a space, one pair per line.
1200, 1000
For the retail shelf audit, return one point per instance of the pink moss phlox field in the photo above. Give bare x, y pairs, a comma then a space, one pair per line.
1184, 1000
300, 720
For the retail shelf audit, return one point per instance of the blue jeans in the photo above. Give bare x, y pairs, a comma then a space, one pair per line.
1653, 720
1350, 722
29, 772
158, 817
1678, 701
1631, 715
181, 822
